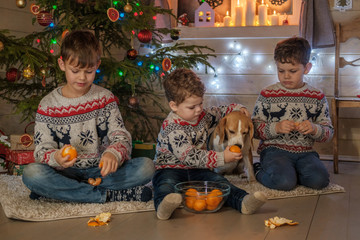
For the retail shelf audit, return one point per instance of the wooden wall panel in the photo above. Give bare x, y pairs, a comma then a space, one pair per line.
240, 77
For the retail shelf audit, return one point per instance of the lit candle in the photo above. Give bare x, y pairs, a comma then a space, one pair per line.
239, 14
227, 20
250, 12
262, 10
274, 19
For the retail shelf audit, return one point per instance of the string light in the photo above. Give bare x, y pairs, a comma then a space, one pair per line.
121, 73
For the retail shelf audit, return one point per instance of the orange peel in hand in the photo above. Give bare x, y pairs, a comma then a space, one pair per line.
99, 220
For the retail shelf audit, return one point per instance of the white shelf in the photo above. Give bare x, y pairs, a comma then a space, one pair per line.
187, 33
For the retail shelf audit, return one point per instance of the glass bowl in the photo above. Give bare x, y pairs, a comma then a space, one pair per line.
203, 196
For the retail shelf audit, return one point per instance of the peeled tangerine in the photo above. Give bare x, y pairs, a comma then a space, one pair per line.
99, 220
279, 221
235, 149
71, 151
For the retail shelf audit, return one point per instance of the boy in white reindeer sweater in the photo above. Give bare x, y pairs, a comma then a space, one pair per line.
289, 117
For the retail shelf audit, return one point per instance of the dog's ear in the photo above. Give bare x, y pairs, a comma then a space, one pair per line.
222, 130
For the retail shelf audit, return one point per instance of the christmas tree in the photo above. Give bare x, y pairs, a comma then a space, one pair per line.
123, 28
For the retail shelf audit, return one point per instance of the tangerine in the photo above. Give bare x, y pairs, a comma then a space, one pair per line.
192, 192
189, 201
235, 149
211, 207
213, 200
71, 151
199, 205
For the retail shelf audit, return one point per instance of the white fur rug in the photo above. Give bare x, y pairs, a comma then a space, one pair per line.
15, 201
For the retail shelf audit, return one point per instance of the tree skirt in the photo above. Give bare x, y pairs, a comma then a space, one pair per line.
15, 201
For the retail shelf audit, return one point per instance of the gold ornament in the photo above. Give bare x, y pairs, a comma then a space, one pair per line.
28, 73
1, 46
21, 3
44, 71
127, 8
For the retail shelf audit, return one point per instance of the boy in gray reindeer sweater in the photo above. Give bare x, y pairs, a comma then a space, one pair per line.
289, 117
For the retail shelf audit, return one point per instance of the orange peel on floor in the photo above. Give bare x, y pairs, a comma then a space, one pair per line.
279, 221
99, 220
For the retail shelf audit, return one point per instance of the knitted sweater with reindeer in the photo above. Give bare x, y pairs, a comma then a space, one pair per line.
276, 103
91, 123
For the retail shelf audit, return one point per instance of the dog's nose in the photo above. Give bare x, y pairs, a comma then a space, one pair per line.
239, 145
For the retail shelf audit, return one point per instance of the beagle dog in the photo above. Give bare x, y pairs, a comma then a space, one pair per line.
235, 129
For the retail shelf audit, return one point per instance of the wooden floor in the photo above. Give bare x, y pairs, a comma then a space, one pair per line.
333, 216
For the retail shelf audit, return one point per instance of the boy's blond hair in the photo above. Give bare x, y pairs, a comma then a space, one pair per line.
82, 48
293, 50
181, 84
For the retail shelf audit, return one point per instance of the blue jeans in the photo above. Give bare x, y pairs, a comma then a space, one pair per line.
70, 184
283, 170
164, 182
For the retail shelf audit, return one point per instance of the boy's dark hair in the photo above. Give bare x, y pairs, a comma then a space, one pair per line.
183, 83
293, 50
81, 46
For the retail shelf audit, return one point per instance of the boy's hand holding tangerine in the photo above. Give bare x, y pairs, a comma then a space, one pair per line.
108, 164
66, 156
232, 153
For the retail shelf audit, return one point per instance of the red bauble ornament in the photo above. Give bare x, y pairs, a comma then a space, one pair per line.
13, 74
44, 18
133, 102
144, 36
132, 54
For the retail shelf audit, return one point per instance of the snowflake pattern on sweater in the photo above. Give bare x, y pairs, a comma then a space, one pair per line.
183, 145
91, 123
276, 103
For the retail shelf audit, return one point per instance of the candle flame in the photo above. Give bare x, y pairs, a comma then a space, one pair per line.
227, 13
274, 12
262, 1
238, 2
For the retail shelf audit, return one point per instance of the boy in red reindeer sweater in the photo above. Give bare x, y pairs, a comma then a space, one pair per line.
289, 117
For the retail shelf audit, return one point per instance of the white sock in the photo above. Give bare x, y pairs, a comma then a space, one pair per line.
252, 202
168, 205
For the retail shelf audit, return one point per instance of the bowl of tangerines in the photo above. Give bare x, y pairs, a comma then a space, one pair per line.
203, 196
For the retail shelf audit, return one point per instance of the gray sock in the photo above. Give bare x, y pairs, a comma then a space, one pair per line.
168, 205
253, 202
